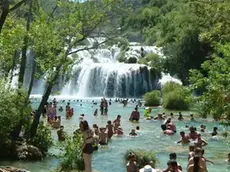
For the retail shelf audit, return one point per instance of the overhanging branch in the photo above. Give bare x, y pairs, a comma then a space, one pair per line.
92, 47
17, 5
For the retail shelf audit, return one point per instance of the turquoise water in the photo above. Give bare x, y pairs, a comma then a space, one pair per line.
111, 159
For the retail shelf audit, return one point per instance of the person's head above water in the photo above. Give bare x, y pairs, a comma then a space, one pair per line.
182, 133
172, 156
215, 128
137, 128
84, 125
118, 116
168, 120
136, 108
109, 122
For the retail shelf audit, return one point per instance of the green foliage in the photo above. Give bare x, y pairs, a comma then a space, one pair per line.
43, 139
214, 78
142, 157
176, 97
71, 159
170, 86
13, 109
187, 30
152, 98
153, 60
121, 57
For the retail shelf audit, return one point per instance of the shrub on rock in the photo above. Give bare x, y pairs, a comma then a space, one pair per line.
176, 97
142, 157
152, 98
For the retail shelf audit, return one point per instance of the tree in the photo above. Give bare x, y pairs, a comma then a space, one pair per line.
187, 30
51, 31
5, 10
215, 99
57, 35
12, 112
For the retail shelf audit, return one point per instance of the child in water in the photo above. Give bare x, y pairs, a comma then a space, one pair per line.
133, 133
119, 131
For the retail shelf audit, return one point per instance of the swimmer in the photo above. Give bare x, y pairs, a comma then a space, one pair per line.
60, 109
110, 129
184, 138
135, 115
202, 163
119, 131
200, 142
95, 112
214, 133
132, 165
192, 117
103, 136
133, 133
173, 156
180, 118
159, 117
228, 159
202, 128
117, 121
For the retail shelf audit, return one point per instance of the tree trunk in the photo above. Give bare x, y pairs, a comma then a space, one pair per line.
45, 97
24, 48
34, 65
16, 55
5, 12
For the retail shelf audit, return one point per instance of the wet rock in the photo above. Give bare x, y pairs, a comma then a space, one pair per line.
11, 169
132, 60
28, 152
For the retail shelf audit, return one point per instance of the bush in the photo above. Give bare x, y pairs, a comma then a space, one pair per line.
43, 139
152, 98
153, 60
178, 99
14, 111
142, 157
170, 86
72, 159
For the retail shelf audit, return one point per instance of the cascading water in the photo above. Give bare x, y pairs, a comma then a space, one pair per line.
100, 74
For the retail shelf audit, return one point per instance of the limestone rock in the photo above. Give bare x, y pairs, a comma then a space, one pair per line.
11, 169
28, 152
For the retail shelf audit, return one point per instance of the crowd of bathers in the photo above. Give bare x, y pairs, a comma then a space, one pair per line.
100, 136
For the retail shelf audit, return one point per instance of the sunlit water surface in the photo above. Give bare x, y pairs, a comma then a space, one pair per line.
111, 159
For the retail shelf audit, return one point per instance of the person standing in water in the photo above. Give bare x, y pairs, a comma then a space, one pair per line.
87, 147
132, 165
117, 122
102, 106
105, 105
135, 115
110, 129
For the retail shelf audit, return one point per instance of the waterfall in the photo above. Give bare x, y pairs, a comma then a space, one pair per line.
101, 74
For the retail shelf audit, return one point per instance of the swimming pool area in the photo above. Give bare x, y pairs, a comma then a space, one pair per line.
111, 158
